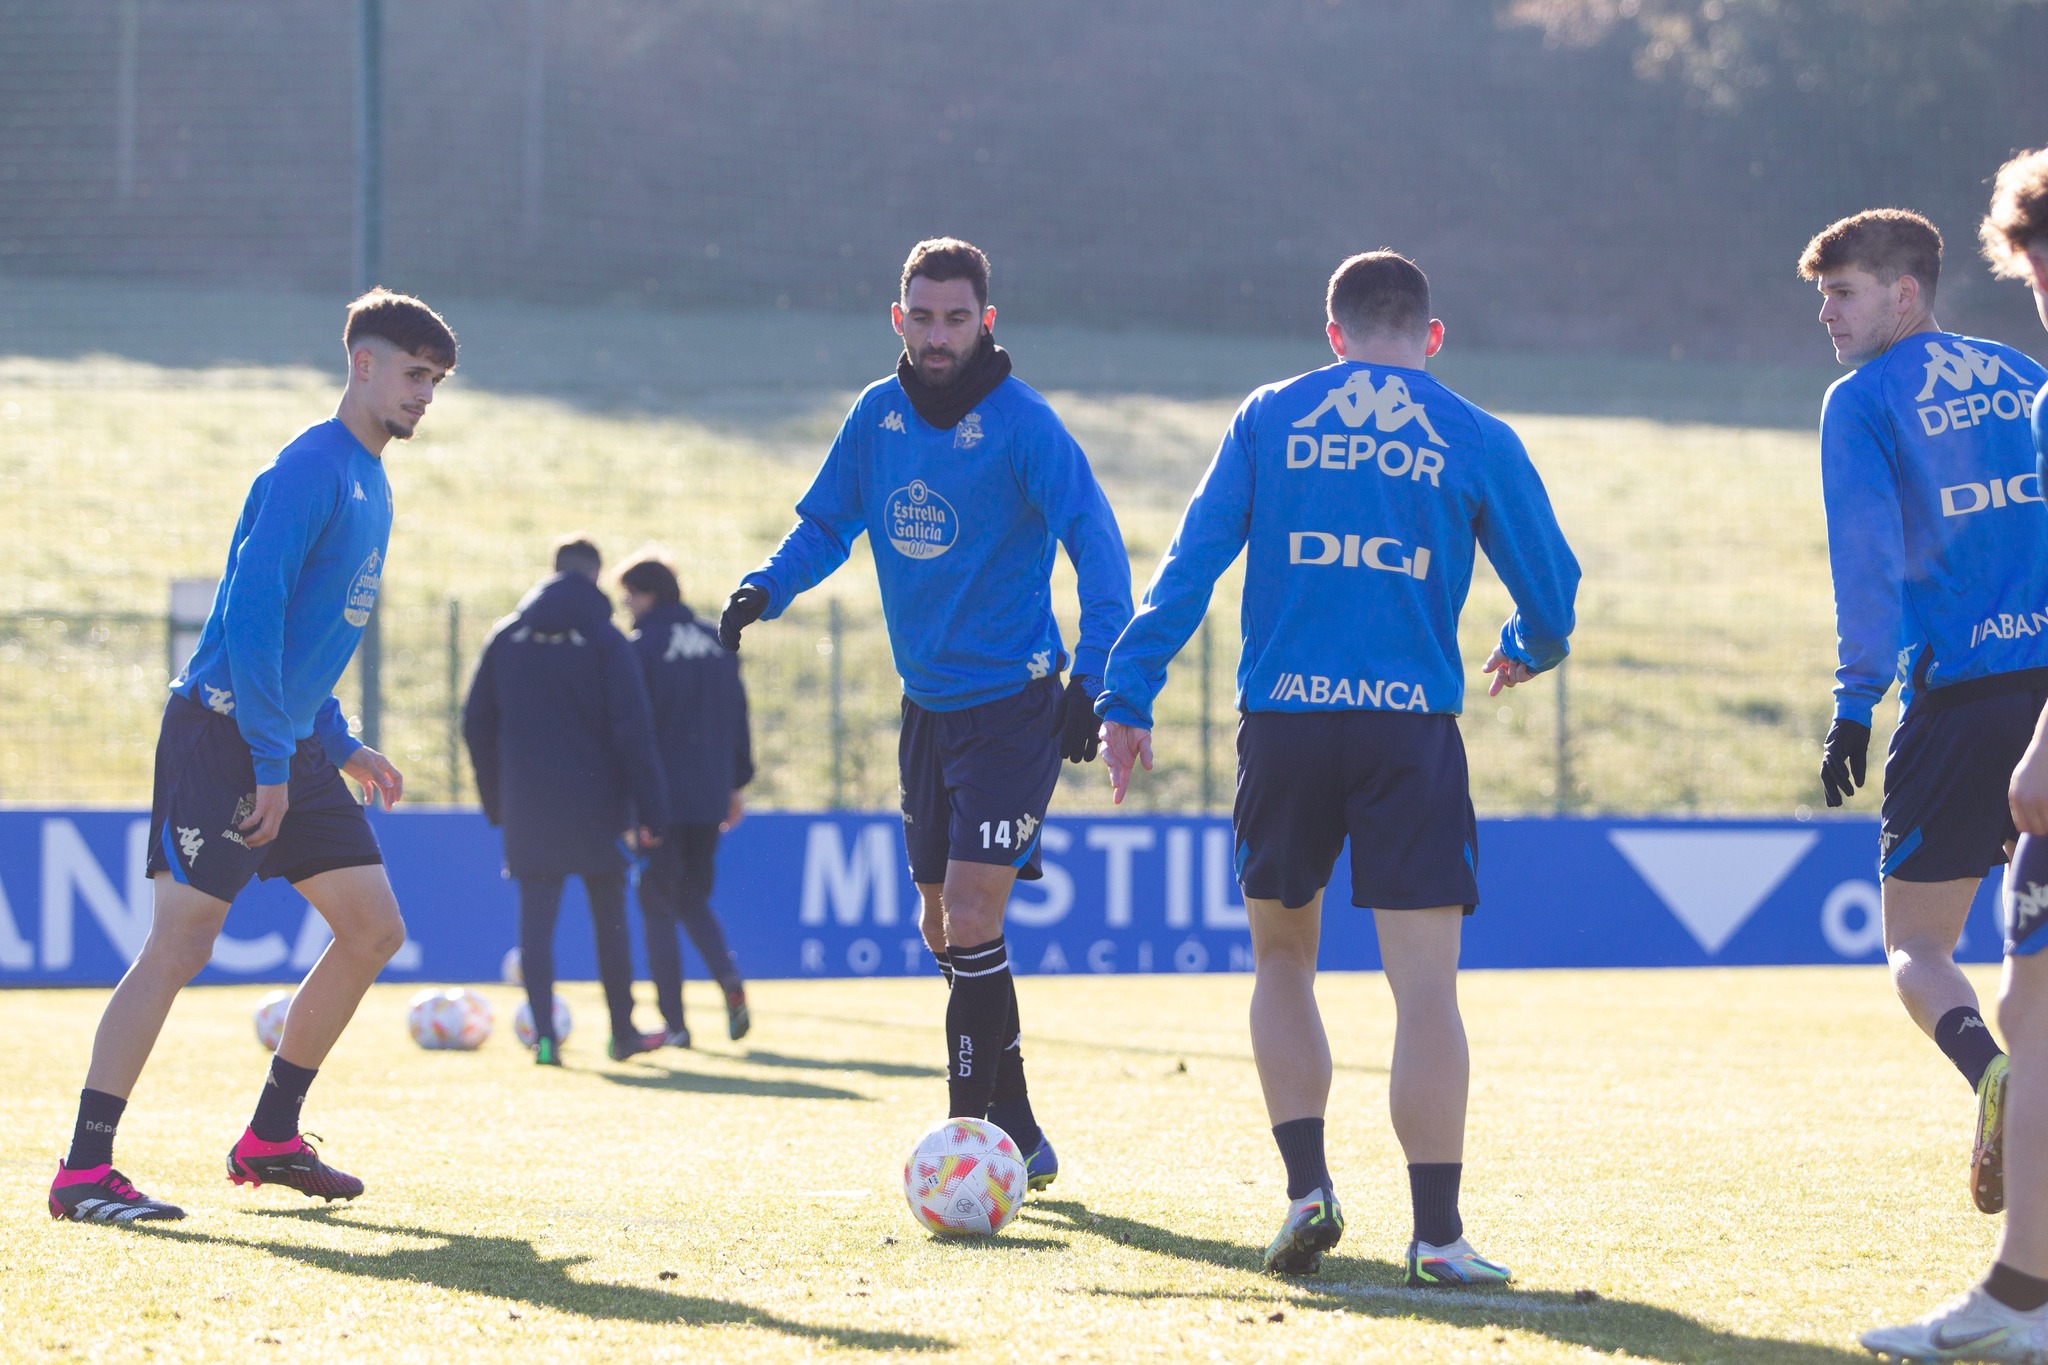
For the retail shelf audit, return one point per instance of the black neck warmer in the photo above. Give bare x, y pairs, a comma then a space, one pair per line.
944, 407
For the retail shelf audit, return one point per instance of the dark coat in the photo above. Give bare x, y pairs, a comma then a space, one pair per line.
560, 734
700, 712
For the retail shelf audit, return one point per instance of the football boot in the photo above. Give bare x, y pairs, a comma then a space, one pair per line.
295, 1165
1432, 1267
1971, 1326
1314, 1224
101, 1194
1987, 1152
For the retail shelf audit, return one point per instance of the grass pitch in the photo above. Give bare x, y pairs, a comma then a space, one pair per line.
1746, 1165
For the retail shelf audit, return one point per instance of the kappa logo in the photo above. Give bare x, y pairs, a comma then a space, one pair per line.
1041, 664
922, 525
968, 434
1962, 369
360, 495
2029, 907
219, 699
893, 421
1027, 825
1390, 405
686, 641
189, 844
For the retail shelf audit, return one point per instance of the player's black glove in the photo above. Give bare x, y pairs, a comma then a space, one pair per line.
742, 609
1074, 722
1842, 757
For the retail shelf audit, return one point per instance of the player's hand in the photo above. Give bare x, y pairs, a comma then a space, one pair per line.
742, 609
1506, 672
649, 837
378, 777
735, 811
1842, 759
1124, 748
1074, 722
271, 804
2028, 792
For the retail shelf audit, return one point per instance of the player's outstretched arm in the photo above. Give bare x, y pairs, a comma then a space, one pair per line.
1125, 748
1866, 549
742, 609
1057, 478
829, 519
1518, 530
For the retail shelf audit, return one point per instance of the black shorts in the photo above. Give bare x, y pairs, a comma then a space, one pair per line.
1394, 782
2026, 898
205, 789
1945, 814
976, 782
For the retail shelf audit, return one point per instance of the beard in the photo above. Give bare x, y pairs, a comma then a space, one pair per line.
400, 428
937, 380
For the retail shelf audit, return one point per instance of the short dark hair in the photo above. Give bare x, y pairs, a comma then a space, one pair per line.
651, 574
1886, 242
2019, 214
948, 258
1379, 291
576, 554
403, 321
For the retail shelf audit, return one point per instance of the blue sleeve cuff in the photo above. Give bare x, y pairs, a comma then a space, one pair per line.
340, 748
1089, 662
1854, 708
273, 772
1122, 712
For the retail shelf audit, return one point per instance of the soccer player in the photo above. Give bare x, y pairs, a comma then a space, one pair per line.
249, 765
562, 740
966, 481
1358, 493
1934, 529
707, 754
2005, 1315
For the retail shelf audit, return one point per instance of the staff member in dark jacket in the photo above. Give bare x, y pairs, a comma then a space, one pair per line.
700, 726
563, 744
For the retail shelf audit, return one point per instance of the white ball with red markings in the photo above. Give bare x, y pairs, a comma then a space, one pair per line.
455, 1019
522, 1022
270, 1013
965, 1178
509, 970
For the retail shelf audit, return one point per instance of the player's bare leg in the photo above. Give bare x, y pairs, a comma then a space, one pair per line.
360, 909
1432, 1067
183, 925
1922, 922
1292, 1054
2023, 1018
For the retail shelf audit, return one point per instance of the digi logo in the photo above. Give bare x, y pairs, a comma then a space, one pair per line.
1352, 552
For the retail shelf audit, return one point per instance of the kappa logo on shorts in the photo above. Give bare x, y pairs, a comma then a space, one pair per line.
893, 422
2029, 907
244, 808
1027, 825
189, 844
219, 699
1040, 665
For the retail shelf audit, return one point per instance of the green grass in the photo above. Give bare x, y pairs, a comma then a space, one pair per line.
1744, 1165
1699, 682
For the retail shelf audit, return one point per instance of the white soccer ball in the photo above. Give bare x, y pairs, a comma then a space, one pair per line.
522, 1022
456, 1018
270, 1013
965, 1178
509, 970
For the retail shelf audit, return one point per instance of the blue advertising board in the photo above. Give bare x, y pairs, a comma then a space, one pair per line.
829, 895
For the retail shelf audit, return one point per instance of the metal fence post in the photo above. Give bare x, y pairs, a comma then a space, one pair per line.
834, 641
1564, 748
1208, 761
454, 700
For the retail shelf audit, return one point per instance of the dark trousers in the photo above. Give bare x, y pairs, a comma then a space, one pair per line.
540, 900
675, 885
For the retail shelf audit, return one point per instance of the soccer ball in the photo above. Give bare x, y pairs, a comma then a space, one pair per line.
522, 1022
508, 969
964, 1178
456, 1018
270, 1013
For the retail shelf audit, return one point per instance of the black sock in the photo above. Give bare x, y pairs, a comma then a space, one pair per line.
977, 1012
1433, 1188
945, 961
92, 1137
2020, 1292
1010, 1108
1301, 1147
1966, 1038
277, 1108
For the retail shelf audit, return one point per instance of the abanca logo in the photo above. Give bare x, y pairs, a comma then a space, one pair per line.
922, 525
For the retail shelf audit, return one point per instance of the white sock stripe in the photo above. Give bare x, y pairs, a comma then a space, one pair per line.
1003, 966
996, 950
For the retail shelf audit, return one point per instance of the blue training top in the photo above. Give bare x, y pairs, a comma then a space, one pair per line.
964, 523
304, 567
1934, 528
1361, 490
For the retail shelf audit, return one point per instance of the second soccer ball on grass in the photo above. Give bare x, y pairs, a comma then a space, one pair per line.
522, 1022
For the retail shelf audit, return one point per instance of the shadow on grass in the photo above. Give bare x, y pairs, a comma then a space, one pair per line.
1373, 1288
514, 1271
702, 1083
864, 1066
